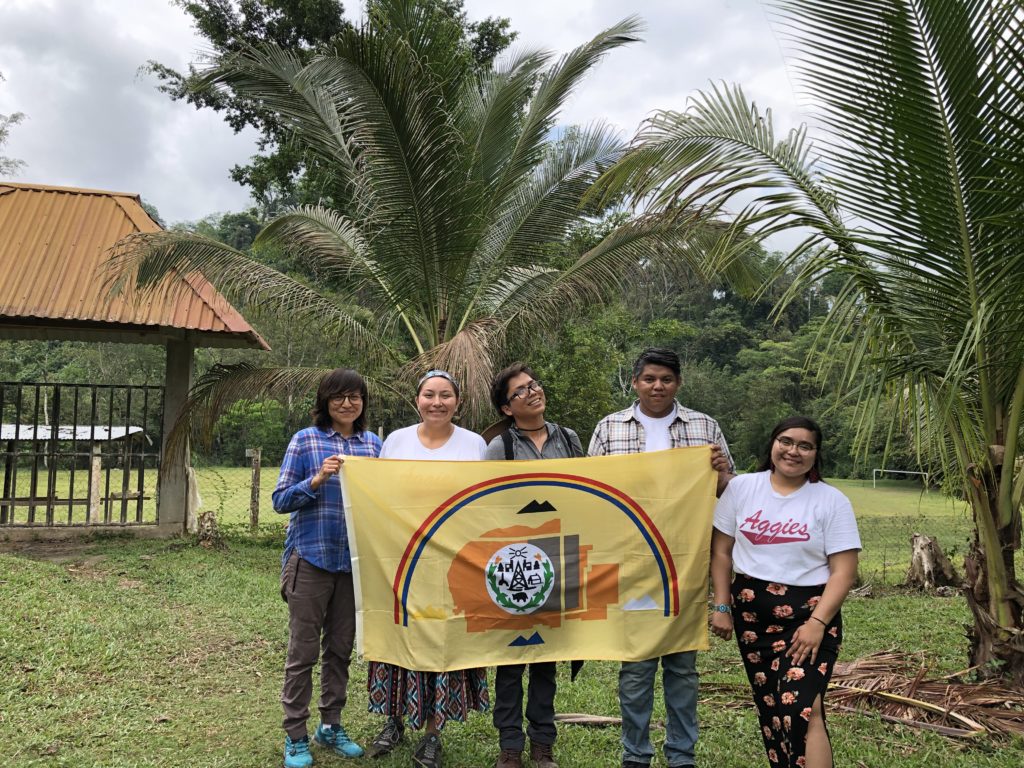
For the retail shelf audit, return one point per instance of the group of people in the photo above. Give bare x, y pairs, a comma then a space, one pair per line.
783, 558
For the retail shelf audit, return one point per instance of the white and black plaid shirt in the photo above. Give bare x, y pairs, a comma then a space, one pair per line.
622, 432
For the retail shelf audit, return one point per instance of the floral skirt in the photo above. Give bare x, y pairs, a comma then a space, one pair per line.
765, 616
418, 697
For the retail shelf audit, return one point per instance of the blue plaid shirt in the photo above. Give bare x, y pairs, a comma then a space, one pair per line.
317, 527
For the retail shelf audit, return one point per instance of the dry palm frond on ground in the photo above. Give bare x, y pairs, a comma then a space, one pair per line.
896, 686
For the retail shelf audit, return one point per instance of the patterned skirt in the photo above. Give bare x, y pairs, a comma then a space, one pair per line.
765, 616
419, 697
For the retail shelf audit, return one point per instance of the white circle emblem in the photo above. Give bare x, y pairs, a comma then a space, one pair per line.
519, 578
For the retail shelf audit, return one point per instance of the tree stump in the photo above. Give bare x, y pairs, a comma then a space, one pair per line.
929, 566
208, 535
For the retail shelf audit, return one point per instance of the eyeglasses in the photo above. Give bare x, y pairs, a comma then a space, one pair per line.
802, 446
533, 386
340, 399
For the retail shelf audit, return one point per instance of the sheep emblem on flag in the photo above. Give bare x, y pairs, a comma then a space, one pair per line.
462, 564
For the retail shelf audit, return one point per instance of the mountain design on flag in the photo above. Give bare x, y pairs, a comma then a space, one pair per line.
534, 639
582, 590
537, 506
645, 603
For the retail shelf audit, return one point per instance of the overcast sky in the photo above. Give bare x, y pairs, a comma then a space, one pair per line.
93, 120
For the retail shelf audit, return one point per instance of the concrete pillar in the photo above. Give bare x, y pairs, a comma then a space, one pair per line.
173, 487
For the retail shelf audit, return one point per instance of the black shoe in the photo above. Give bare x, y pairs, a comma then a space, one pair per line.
388, 738
634, 764
428, 752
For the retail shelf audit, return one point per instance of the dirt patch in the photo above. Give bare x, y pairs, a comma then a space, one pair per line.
48, 551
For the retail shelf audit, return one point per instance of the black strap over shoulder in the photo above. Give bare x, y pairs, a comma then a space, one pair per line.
572, 448
506, 439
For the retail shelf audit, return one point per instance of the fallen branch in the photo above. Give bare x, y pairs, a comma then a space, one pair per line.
581, 718
895, 687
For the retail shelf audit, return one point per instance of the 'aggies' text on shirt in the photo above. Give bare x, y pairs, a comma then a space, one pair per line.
760, 531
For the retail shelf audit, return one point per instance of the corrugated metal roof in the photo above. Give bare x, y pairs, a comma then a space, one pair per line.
69, 432
53, 244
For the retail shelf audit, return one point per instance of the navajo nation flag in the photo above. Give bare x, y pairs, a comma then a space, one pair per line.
470, 564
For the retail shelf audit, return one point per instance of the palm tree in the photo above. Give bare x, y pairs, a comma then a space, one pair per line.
915, 195
456, 189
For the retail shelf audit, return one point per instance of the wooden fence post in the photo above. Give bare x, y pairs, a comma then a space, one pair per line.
254, 493
95, 469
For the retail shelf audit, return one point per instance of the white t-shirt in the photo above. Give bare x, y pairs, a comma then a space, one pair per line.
405, 443
785, 539
656, 436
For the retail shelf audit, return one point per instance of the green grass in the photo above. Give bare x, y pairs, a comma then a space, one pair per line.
165, 654
890, 514
111, 502
887, 516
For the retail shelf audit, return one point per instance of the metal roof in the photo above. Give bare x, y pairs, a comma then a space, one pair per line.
69, 432
53, 244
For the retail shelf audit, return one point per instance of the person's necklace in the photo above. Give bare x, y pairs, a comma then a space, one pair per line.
535, 429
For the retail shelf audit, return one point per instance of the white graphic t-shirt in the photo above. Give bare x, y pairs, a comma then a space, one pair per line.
786, 539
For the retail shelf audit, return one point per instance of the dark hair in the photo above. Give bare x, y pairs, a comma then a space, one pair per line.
434, 374
499, 387
657, 356
340, 381
795, 422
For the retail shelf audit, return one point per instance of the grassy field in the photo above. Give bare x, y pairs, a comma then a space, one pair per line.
164, 654
887, 515
113, 501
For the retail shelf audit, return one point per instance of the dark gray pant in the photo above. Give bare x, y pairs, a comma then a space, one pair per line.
321, 618
540, 705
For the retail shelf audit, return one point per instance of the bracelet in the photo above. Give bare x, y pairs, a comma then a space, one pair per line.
819, 621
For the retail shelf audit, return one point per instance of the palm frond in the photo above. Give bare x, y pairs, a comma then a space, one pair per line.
279, 80
554, 88
470, 357
720, 149
224, 385
141, 262
643, 244
498, 107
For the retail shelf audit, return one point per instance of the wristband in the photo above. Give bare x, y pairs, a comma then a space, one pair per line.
819, 621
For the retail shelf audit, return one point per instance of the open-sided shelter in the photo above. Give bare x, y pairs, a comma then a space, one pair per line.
54, 242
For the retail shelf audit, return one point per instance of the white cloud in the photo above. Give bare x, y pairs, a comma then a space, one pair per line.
687, 45
93, 120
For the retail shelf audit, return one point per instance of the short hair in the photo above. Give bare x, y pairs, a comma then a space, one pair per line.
795, 422
437, 373
657, 356
499, 387
340, 381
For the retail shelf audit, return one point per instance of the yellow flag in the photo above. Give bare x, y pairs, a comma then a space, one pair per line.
469, 564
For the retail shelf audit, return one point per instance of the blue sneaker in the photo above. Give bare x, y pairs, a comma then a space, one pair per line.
296, 753
334, 737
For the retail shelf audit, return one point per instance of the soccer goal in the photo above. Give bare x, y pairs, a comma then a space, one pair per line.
876, 472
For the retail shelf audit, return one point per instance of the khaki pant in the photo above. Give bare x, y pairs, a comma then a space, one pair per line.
321, 624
